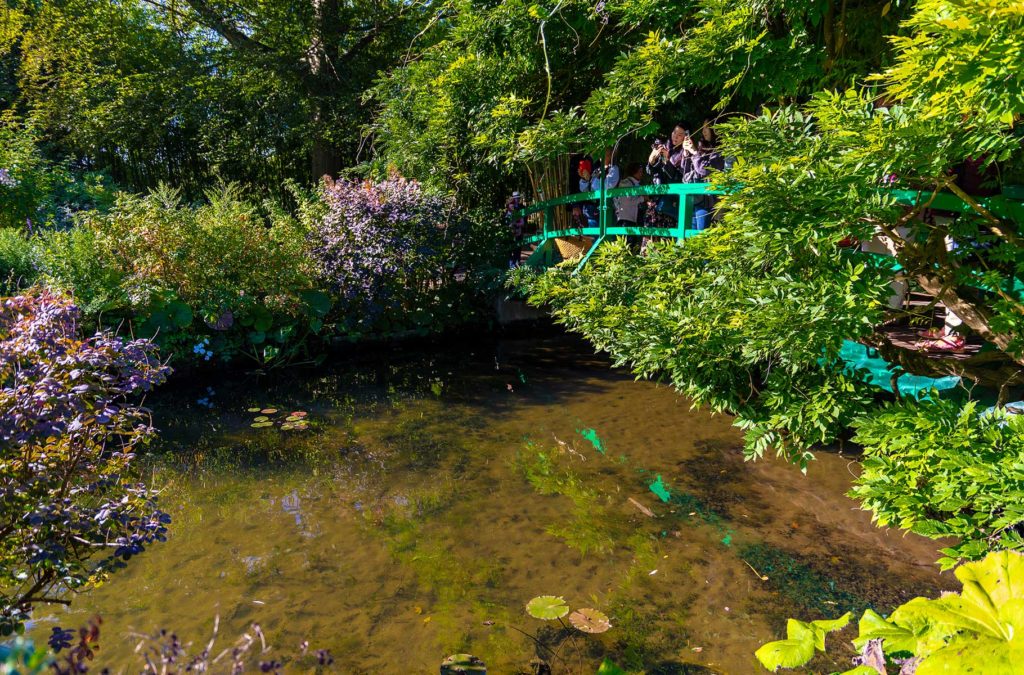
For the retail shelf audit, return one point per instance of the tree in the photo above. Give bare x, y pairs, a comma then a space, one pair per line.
496, 89
154, 91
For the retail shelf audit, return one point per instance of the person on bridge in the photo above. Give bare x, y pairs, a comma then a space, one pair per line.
679, 160
516, 224
627, 209
591, 180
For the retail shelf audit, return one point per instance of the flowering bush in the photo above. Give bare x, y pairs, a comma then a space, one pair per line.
376, 238
70, 511
394, 255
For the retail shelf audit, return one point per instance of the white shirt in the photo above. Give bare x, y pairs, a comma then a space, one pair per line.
594, 184
627, 208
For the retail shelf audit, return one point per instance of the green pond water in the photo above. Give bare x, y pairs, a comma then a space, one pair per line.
435, 493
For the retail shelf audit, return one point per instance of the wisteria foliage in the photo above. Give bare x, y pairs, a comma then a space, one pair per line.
70, 423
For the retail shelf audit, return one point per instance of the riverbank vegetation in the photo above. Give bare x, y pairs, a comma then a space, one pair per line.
252, 183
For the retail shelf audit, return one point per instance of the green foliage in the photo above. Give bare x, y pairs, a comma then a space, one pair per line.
20, 656
17, 261
700, 318
36, 192
183, 92
749, 318
940, 470
502, 87
976, 630
802, 639
227, 270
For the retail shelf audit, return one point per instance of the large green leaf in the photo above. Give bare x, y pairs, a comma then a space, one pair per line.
792, 652
318, 302
179, 314
894, 638
547, 607
802, 639
821, 627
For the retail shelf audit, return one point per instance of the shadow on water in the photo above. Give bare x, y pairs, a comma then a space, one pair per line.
435, 493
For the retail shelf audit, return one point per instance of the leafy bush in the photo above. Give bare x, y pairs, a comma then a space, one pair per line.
35, 192
70, 511
395, 256
978, 630
940, 470
227, 272
18, 267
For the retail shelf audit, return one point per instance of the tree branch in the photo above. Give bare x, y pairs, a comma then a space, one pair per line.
226, 29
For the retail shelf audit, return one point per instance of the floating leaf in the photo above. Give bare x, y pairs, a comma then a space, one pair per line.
292, 418
287, 427
299, 413
260, 419
547, 607
269, 411
252, 409
261, 425
590, 620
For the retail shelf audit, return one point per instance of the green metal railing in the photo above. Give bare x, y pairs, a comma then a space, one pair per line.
688, 194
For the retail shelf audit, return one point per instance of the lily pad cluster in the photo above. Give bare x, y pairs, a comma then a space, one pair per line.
270, 417
552, 607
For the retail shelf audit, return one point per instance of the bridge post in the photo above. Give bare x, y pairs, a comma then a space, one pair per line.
685, 216
549, 220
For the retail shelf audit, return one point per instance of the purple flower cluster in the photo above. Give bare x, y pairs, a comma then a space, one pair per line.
377, 239
70, 421
53, 382
6, 179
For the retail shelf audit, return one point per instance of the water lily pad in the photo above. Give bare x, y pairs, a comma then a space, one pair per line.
252, 409
299, 413
269, 411
287, 426
292, 418
547, 607
261, 425
261, 418
590, 620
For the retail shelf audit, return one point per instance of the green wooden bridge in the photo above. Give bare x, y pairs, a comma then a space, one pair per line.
545, 254
858, 356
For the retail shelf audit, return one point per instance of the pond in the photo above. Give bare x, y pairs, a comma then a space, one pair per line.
435, 493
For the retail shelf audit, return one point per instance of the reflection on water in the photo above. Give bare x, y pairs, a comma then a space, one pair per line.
436, 494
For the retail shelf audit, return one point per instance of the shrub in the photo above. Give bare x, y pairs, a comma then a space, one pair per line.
70, 511
227, 272
18, 267
395, 256
974, 631
36, 193
940, 470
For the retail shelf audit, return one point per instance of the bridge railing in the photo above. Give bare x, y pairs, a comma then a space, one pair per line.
688, 193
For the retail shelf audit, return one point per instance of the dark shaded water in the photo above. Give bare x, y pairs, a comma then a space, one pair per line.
436, 493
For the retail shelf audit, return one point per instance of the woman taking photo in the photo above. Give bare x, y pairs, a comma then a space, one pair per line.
678, 161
